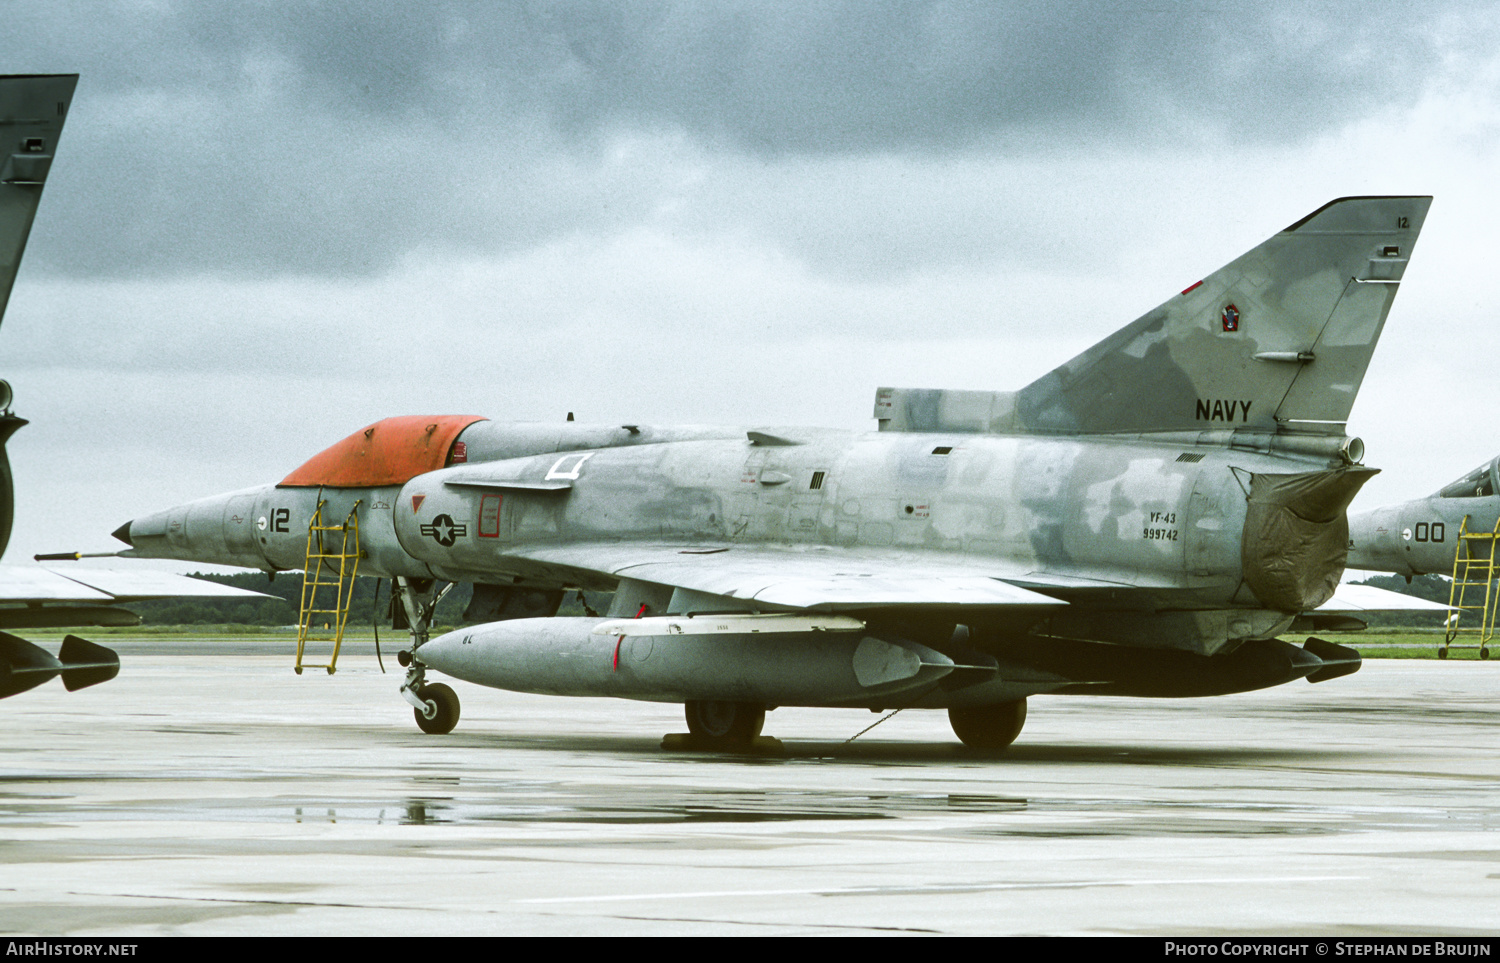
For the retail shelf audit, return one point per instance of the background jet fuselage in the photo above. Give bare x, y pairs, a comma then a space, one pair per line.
1419, 537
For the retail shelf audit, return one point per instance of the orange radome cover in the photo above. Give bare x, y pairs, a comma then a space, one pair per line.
389, 452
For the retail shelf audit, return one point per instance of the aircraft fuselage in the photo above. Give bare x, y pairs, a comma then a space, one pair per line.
1168, 519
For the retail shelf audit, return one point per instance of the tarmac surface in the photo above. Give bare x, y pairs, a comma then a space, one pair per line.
210, 791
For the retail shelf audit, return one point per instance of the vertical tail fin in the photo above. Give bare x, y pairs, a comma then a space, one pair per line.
1276, 340
32, 110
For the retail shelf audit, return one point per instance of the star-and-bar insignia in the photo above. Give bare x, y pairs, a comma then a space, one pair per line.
444, 530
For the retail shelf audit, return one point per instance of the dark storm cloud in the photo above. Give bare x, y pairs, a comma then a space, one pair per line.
859, 76
260, 139
842, 77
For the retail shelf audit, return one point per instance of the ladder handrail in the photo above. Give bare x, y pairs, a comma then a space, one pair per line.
1468, 565
319, 573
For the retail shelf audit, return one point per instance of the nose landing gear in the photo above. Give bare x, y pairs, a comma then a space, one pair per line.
434, 705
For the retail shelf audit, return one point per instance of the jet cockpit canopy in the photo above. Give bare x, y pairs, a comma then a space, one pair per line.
1479, 483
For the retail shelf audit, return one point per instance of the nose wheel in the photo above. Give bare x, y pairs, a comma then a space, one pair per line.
442, 702
434, 705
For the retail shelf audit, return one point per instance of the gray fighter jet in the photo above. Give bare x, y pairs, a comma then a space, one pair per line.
1419, 537
1455, 531
32, 111
1144, 520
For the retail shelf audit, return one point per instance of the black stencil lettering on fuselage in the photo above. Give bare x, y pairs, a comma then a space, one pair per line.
281, 520
1224, 409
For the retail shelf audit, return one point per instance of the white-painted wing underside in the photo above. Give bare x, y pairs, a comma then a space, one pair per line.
25, 583
1354, 599
815, 578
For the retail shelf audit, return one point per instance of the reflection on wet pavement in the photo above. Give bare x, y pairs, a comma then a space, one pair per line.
559, 804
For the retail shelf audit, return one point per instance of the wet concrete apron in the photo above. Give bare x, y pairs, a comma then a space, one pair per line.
205, 793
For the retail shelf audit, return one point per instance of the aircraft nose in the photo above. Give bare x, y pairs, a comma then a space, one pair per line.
123, 534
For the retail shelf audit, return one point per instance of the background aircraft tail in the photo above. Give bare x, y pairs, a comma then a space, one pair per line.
32, 110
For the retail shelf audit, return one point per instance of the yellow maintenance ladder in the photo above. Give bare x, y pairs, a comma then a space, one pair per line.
327, 583
1473, 590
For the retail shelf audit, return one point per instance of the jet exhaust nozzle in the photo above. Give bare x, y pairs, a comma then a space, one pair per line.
1296, 535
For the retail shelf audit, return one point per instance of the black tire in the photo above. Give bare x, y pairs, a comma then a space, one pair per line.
446, 716
989, 728
725, 725
1443, 652
1484, 653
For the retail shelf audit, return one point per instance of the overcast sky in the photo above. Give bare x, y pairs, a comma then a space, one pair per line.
269, 225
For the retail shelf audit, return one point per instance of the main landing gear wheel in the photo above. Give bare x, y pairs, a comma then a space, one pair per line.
989, 728
445, 703
725, 725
